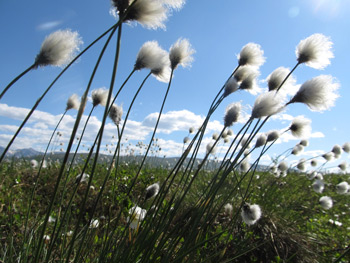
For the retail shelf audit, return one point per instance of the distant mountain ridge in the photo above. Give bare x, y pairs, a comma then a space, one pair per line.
19, 153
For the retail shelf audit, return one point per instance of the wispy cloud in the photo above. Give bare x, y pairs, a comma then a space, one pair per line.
49, 25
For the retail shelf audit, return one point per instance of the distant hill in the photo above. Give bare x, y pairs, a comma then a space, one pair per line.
21, 153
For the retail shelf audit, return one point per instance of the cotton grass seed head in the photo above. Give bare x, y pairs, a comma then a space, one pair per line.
34, 163
210, 148
181, 54
115, 113
154, 58
251, 54
328, 156
282, 166
275, 79
152, 191
99, 96
313, 163
346, 147
260, 141
300, 127
251, 213
136, 215
318, 186
343, 165
297, 149
244, 166
337, 150
73, 102
186, 139
342, 188
304, 143
232, 114
231, 86
302, 165
272, 136
315, 51
58, 48
149, 13
326, 202
318, 94
228, 209
191, 130
267, 104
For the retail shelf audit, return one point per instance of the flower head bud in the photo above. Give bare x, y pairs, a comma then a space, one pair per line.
328, 156
186, 139
342, 188
302, 165
326, 202
267, 104
181, 54
99, 96
232, 114
304, 143
282, 166
115, 113
313, 163
261, 140
151, 191
337, 150
315, 51
251, 213
251, 54
346, 147
58, 48
300, 127
297, 149
318, 186
343, 166
73, 102
228, 209
149, 13
318, 94
276, 78
272, 136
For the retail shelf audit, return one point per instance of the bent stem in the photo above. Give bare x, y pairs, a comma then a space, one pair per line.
16, 79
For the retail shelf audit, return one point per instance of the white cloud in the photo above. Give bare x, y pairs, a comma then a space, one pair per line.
49, 25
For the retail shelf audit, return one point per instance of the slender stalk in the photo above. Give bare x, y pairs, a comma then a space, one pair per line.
48, 89
15, 80
285, 79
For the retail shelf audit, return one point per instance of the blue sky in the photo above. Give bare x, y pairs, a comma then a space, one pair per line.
217, 31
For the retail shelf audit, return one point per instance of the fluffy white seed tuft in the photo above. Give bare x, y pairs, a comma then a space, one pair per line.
315, 51
326, 202
232, 114
275, 79
318, 186
346, 147
152, 191
99, 96
251, 214
342, 188
318, 94
58, 48
251, 54
300, 127
181, 54
73, 102
267, 104
261, 140
115, 113
272, 136
136, 215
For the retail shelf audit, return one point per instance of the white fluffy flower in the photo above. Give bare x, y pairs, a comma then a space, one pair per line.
34, 163
94, 223
210, 148
186, 139
272, 136
99, 96
244, 166
232, 114
275, 79
156, 59
282, 166
249, 83
84, 178
342, 188
58, 48
215, 136
149, 13
152, 190
251, 213
346, 147
181, 53
301, 165
115, 113
261, 140
318, 186
230, 86
328, 156
313, 163
251, 54
300, 127
343, 165
326, 202
228, 209
318, 94
267, 104
337, 150
297, 149
304, 143
136, 215
73, 102
315, 51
